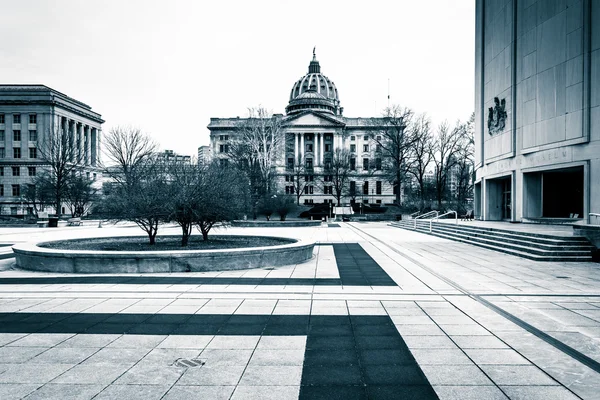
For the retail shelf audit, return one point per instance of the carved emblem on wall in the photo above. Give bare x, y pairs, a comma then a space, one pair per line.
497, 116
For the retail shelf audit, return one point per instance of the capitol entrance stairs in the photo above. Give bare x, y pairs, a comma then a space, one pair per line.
532, 245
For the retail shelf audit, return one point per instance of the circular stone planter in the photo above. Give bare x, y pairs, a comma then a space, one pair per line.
32, 257
273, 224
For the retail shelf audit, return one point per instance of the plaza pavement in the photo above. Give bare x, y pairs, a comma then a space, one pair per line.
378, 312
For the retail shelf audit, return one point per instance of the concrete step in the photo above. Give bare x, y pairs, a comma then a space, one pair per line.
533, 237
549, 245
522, 247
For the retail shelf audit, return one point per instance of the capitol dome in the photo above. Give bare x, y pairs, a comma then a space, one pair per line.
314, 91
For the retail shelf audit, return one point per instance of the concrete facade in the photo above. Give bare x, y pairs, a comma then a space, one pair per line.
541, 60
314, 127
28, 112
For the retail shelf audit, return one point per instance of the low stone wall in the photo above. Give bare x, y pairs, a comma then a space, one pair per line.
31, 257
591, 232
273, 224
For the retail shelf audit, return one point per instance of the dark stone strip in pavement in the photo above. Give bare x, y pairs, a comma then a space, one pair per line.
167, 280
359, 357
358, 268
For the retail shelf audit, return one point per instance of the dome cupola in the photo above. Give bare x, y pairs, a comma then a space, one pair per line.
314, 91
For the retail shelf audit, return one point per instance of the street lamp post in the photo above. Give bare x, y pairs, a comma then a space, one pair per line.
330, 209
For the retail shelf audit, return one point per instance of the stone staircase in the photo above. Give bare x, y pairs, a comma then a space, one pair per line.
534, 246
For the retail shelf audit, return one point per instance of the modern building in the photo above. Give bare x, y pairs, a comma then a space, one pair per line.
314, 127
27, 114
204, 155
170, 156
537, 110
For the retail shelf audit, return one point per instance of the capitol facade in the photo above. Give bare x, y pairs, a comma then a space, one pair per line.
314, 128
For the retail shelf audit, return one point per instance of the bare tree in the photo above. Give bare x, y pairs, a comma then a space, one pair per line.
128, 148
80, 195
300, 179
339, 173
39, 193
465, 161
185, 196
255, 151
421, 154
58, 150
394, 138
140, 190
446, 145
219, 201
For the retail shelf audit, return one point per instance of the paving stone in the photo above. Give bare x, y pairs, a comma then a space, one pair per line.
18, 355
88, 340
441, 357
188, 392
234, 342
92, 374
282, 375
455, 375
277, 357
64, 355
266, 393
27, 373
118, 356
333, 392
133, 392
137, 341
496, 356
186, 342
150, 374
282, 342
66, 392
538, 393
41, 340
14, 391
225, 375
479, 342
517, 375
469, 393
168, 356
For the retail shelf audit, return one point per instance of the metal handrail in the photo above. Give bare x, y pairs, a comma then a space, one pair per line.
425, 215
415, 213
443, 215
594, 215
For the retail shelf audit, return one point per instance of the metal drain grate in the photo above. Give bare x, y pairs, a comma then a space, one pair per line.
188, 363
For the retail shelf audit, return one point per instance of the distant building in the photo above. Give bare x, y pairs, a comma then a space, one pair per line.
171, 156
204, 155
537, 114
314, 127
27, 113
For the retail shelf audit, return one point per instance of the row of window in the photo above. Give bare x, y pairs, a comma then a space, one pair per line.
366, 164
16, 171
17, 118
17, 152
328, 189
15, 190
17, 136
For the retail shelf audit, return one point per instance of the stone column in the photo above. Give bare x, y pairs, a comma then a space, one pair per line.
296, 149
80, 151
322, 149
94, 148
301, 146
316, 148
87, 141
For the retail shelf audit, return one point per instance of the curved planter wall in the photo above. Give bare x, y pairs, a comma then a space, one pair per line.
273, 224
30, 256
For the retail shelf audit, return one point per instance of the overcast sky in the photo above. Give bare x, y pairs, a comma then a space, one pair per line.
168, 66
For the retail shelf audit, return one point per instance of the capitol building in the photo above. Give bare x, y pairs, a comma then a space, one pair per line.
315, 127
